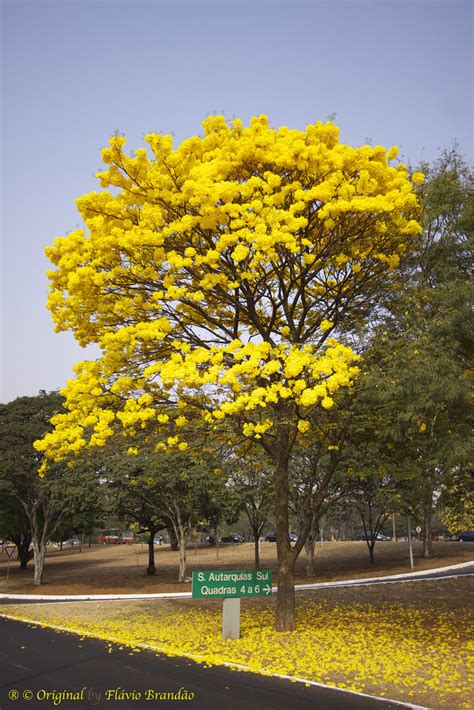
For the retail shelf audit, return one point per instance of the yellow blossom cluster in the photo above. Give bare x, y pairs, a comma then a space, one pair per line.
223, 266
250, 378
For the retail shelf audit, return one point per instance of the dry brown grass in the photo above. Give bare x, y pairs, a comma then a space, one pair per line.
104, 569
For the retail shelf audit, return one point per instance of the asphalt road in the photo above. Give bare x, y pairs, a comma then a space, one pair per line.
35, 661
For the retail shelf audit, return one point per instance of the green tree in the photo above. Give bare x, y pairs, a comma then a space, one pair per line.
14, 523
177, 491
133, 500
373, 495
457, 501
418, 364
313, 472
252, 480
46, 502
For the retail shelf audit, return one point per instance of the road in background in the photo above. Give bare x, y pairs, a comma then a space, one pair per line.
465, 569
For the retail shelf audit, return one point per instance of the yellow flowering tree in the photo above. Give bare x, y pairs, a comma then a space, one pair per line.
214, 275
457, 512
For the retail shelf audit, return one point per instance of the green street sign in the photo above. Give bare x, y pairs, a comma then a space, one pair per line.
217, 584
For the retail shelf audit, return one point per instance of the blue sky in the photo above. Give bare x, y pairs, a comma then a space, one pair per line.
76, 71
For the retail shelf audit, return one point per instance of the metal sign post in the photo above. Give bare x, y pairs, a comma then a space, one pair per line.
9, 549
231, 618
230, 585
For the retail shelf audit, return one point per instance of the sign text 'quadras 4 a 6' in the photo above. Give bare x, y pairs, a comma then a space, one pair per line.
232, 583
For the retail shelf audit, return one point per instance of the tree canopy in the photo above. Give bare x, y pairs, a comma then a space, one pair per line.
222, 266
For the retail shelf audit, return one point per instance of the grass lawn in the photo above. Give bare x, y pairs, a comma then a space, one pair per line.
410, 641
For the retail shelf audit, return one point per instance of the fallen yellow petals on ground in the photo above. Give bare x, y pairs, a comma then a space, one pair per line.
392, 649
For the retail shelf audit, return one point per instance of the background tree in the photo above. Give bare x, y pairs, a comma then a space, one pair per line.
176, 491
457, 502
214, 275
46, 502
133, 501
187, 490
132, 497
314, 485
372, 494
23, 421
14, 523
419, 360
252, 480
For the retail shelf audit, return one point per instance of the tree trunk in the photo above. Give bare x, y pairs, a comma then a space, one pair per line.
309, 550
38, 539
39, 550
40, 533
182, 556
371, 546
41, 514
256, 538
23, 543
285, 608
151, 569
173, 538
427, 538
285, 612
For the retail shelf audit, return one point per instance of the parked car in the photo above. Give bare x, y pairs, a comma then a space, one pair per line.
466, 536
367, 536
272, 537
233, 537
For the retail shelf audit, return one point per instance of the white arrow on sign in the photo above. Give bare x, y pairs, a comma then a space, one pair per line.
267, 589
